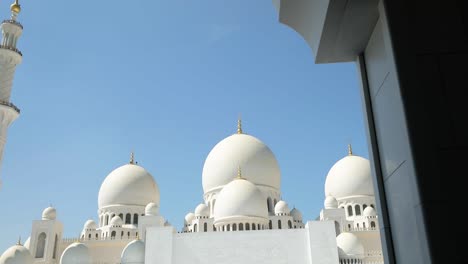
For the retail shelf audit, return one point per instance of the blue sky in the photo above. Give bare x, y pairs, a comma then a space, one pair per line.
166, 79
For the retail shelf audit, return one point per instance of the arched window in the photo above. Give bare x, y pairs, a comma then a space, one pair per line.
41, 245
135, 219
253, 226
205, 227
107, 220
357, 225
258, 227
128, 234
350, 210
372, 206
269, 204
372, 224
214, 228
97, 236
364, 225
234, 227
349, 226
195, 228
128, 218
241, 227
279, 224
357, 209
270, 225
121, 234
113, 235
289, 224
54, 254
228, 227
89, 237
121, 216
337, 228
212, 207
247, 226
364, 206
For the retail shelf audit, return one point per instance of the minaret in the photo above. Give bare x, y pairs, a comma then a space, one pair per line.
10, 56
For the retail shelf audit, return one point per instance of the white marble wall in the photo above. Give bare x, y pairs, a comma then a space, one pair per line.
315, 244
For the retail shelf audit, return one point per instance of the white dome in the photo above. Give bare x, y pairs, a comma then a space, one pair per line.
134, 253
350, 176
49, 214
116, 221
76, 253
128, 185
252, 155
16, 254
202, 210
151, 209
90, 224
350, 245
369, 211
296, 214
330, 203
281, 207
240, 198
189, 218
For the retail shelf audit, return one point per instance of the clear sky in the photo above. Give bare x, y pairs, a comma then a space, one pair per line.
166, 79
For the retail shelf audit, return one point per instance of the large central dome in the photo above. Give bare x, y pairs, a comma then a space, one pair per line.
248, 152
129, 184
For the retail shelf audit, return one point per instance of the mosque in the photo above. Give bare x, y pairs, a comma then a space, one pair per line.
243, 218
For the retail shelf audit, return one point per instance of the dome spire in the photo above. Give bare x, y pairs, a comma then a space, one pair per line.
239, 125
239, 173
19, 241
350, 150
132, 158
15, 9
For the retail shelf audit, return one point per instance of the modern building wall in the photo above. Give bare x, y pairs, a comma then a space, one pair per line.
314, 244
412, 59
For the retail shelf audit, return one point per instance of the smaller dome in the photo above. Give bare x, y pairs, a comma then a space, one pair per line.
281, 208
152, 209
49, 213
202, 210
240, 198
116, 221
330, 203
90, 224
167, 223
134, 253
16, 254
296, 214
76, 253
189, 218
369, 211
350, 245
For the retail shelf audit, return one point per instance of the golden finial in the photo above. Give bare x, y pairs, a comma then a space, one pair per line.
19, 241
132, 158
15, 7
350, 150
239, 173
239, 125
